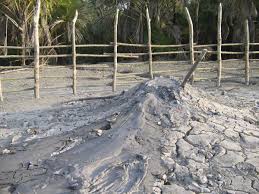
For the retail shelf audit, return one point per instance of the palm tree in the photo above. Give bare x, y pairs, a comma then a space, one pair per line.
236, 12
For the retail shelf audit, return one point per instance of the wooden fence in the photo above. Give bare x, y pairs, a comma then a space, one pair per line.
192, 50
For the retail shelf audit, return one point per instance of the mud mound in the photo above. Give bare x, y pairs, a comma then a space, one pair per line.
155, 137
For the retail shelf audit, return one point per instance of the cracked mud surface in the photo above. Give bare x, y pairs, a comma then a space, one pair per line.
154, 138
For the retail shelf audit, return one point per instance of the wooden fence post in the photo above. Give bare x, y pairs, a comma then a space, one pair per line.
219, 45
36, 50
191, 43
74, 53
6, 37
247, 48
194, 66
1, 92
149, 44
115, 50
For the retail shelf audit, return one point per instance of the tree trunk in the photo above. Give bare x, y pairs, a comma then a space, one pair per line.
138, 35
197, 21
44, 24
23, 36
6, 37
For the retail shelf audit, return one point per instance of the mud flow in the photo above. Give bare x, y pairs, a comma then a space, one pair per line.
153, 138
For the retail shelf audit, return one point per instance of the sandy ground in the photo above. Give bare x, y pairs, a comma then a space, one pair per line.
155, 137
96, 81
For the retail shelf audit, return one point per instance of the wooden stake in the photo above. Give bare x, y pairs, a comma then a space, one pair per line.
247, 48
6, 37
191, 41
74, 53
36, 50
149, 44
1, 92
115, 50
219, 45
194, 66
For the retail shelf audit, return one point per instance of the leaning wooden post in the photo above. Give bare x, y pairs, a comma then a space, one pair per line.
36, 50
115, 50
6, 37
74, 53
219, 45
1, 92
149, 44
194, 66
247, 48
191, 41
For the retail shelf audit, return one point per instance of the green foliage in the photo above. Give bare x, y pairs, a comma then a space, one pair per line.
95, 22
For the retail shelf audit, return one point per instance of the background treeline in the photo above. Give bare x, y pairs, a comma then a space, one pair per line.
95, 22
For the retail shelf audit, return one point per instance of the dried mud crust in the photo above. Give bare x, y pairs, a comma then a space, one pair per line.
154, 138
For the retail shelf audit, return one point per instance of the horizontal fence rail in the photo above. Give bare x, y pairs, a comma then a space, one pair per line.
126, 55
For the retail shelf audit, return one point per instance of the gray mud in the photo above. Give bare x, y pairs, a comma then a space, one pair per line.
154, 138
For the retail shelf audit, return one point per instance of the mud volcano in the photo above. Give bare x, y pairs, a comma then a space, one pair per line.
155, 137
